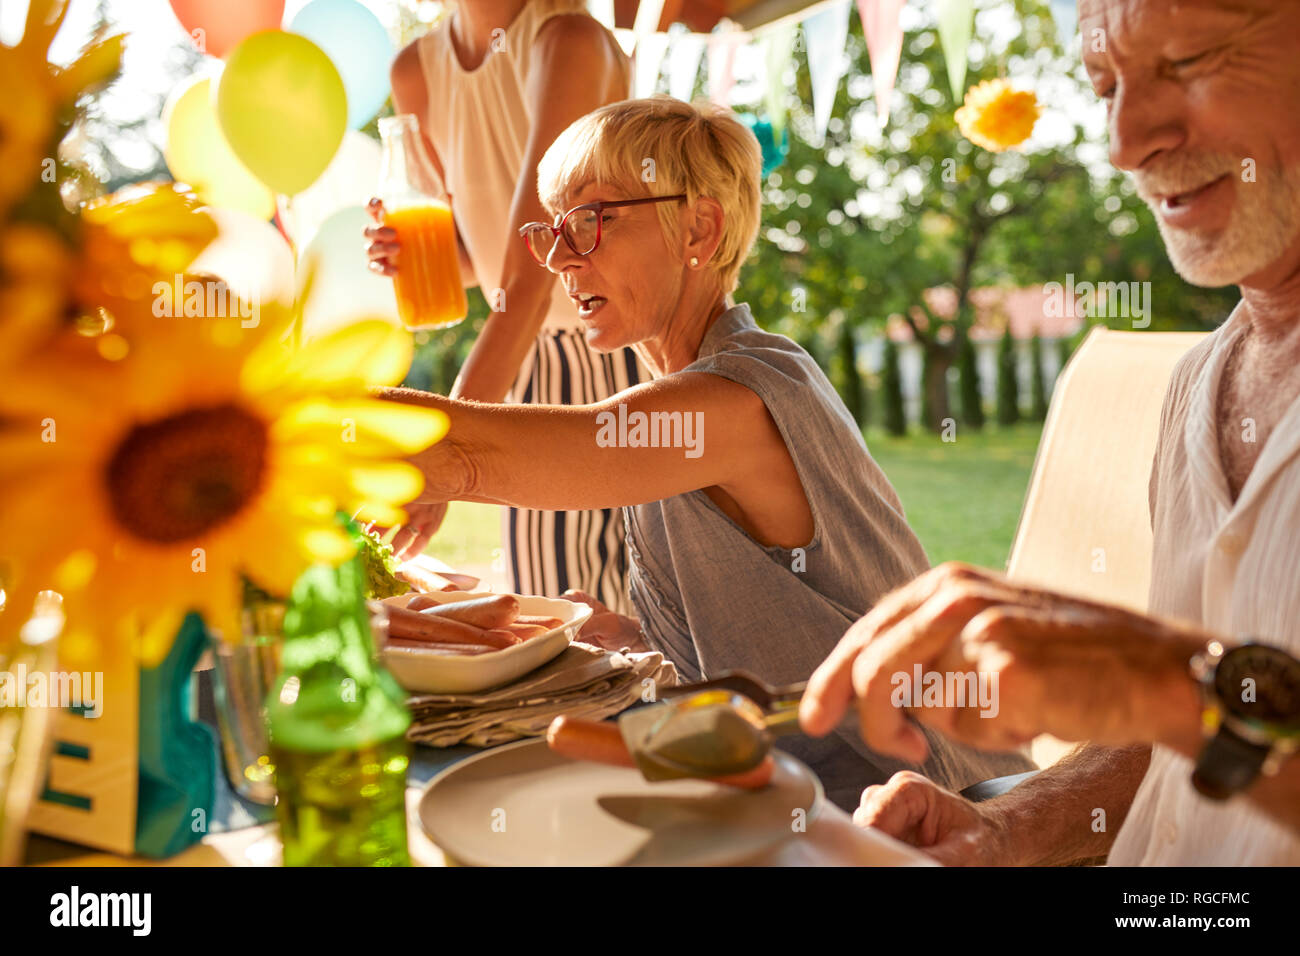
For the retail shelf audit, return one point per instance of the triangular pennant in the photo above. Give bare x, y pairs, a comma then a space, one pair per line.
884, 35
956, 19
723, 45
648, 14
826, 32
777, 45
684, 53
602, 10
1066, 16
650, 50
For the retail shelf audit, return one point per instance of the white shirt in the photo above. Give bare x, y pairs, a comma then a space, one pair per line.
1234, 569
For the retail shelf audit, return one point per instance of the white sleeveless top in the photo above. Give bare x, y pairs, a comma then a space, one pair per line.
478, 122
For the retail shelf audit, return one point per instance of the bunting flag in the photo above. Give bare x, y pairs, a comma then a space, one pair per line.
602, 10
1067, 20
777, 46
626, 40
826, 32
684, 53
651, 45
723, 44
650, 50
648, 15
884, 35
956, 19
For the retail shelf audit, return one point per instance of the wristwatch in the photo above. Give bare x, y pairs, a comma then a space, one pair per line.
1250, 714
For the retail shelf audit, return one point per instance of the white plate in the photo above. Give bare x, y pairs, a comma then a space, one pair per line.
523, 805
425, 672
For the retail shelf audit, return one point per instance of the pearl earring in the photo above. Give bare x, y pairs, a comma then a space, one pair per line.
695, 262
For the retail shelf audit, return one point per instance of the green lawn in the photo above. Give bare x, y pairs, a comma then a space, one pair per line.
470, 537
963, 497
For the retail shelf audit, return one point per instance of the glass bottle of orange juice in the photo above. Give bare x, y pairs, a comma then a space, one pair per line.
428, 287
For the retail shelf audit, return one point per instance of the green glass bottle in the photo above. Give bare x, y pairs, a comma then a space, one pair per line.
338, 730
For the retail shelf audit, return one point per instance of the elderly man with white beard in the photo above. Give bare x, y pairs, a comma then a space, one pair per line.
1193, 713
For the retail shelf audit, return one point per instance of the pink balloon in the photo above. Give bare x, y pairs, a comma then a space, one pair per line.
224, 24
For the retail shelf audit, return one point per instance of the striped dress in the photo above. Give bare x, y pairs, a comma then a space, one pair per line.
478, 122
549, 551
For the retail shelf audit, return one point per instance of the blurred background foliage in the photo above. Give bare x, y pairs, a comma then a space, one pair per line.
865, 222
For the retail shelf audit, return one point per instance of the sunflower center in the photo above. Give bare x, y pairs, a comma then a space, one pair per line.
176, 478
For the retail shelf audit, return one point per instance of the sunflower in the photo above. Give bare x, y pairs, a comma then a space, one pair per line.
134, 239
141, 477
997, 117
36, 93
36, 270
126, 243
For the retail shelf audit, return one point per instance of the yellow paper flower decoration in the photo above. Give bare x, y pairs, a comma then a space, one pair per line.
997, 117
140, 477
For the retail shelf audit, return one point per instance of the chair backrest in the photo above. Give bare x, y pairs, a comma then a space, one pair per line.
1085, 527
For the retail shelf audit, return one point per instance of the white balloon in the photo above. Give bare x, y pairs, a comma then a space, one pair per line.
343, 287
250, 255
350, 179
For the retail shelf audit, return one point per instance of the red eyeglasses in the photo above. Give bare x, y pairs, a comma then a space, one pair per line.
580, 227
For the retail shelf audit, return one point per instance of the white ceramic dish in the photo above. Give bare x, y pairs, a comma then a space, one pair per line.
424, 672
562, 812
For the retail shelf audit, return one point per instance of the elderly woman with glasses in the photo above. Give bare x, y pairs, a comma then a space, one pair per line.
758, 526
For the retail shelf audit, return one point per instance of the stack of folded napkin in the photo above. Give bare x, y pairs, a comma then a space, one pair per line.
584, 682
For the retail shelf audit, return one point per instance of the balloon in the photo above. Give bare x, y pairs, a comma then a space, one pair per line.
250, 255
359, 46
343, 288
223, 23
283, 109
350, 180
199, 155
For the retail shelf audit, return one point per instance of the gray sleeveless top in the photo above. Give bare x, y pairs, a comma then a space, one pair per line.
711, 598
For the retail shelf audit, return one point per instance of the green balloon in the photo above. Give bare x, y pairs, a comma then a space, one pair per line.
283, 108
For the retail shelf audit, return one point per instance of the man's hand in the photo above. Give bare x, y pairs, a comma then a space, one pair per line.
1065, 666
606, 629
943, 825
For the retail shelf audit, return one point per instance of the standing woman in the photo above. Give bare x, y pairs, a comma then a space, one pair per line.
492, 86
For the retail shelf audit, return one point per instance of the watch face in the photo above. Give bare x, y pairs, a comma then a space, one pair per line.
1261, 684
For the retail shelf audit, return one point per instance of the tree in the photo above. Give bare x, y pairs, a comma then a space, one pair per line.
1008, 385
1037, 381
891, 389
867, 223
972, 401
848, 378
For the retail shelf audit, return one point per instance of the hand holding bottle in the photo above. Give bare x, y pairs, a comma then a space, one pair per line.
384, 245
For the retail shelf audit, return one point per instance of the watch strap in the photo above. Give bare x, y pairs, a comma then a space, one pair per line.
1228, 765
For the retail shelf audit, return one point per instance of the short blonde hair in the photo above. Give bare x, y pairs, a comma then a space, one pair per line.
659, 147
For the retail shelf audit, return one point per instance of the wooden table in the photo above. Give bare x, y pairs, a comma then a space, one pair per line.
242, 837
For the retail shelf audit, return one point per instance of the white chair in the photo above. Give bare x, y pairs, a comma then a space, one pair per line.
1085, 527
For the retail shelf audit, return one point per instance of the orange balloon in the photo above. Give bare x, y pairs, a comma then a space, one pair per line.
217, 26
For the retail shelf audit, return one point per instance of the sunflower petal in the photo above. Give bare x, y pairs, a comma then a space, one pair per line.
366, 353
362, 427
44, 17
388, 481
